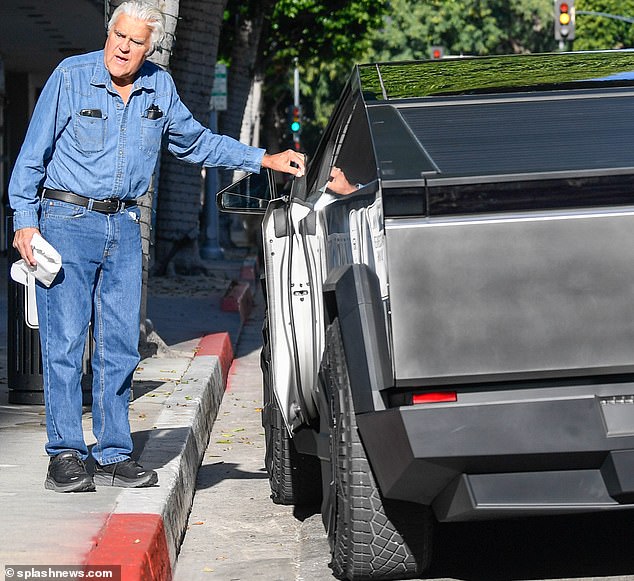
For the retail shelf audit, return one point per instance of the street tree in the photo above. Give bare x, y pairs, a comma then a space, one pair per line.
240, 44
603, 30
180, 184
149, 341
464, 27
324, 38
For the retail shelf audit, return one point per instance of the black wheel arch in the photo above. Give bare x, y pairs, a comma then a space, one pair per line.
352, 294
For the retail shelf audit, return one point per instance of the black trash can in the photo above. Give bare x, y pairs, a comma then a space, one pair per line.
24, 359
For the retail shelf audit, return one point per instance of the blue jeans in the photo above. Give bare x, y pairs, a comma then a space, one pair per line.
100, 282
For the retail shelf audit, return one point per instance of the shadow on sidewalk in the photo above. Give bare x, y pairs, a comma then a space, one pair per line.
210, 475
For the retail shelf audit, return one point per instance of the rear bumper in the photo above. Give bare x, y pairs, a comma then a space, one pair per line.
505, 458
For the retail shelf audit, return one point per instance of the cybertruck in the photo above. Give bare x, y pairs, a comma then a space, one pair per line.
450, 303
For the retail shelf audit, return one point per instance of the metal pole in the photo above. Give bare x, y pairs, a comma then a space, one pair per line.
296, 85
211, 249
296, 104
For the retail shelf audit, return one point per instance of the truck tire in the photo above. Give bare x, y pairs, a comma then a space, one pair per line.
294, 478
371, 537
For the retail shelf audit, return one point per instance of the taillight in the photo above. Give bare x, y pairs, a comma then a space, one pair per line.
434, 397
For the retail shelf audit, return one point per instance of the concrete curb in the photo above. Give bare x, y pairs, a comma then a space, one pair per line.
146, 527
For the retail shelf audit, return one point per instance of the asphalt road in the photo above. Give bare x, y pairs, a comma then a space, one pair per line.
236, 533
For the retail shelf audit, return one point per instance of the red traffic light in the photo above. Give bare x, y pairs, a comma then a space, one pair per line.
437, 52
564, 14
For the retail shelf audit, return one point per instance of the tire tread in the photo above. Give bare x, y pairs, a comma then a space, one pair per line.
366, 543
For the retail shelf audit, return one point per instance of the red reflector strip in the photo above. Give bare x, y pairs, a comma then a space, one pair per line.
434, 397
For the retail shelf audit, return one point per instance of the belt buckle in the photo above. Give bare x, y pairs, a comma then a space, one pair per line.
115, 204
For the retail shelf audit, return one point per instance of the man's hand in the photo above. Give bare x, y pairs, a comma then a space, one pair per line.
288, 161
22, 243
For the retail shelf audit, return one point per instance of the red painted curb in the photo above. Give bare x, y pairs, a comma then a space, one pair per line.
218, 344
137, 543
238, 298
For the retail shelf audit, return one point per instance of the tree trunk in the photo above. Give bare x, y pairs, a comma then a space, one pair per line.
244, 84
169, 9
149, 342
244, 53
241, 119
181, 185
273, 101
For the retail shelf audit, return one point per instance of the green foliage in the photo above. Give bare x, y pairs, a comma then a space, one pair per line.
315, 31
325, 38
599, 32
464, 27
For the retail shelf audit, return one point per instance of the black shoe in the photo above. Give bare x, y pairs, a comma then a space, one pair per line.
127, 474
67, 473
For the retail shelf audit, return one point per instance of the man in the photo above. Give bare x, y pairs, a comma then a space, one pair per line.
338, 183
91, 148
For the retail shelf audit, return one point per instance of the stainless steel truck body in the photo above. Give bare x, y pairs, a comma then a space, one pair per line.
450, 336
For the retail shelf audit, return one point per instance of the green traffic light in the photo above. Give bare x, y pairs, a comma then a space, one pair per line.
295, 126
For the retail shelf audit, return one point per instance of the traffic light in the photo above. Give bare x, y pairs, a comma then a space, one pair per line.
436, 52
296, 120
296, 125
564, 19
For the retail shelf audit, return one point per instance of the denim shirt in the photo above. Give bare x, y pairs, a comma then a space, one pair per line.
84, 139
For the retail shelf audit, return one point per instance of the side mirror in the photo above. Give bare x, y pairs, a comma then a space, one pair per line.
249, 195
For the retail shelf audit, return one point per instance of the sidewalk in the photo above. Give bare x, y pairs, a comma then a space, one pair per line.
176, 396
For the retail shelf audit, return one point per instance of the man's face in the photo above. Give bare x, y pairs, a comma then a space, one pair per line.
125, 49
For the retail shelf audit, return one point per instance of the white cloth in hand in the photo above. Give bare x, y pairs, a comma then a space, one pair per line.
48, 263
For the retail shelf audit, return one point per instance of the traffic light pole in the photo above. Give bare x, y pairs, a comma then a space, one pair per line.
296, 85
296, 104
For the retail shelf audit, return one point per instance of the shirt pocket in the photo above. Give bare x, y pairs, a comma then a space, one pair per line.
90, 133
151, 135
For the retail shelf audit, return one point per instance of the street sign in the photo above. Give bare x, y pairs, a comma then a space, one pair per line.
218, 101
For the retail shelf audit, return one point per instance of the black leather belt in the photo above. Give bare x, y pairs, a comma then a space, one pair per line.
109, 206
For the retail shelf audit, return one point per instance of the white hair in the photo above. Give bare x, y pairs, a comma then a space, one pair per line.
142, 11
